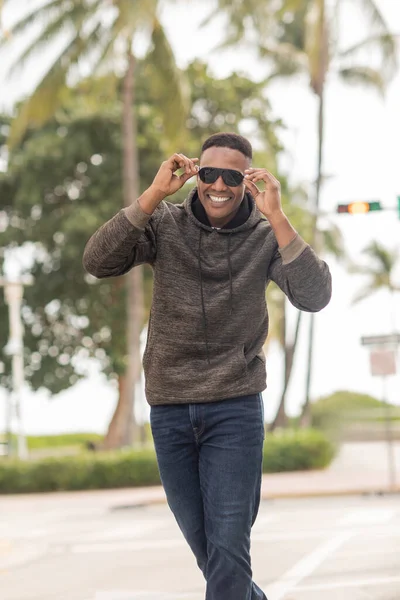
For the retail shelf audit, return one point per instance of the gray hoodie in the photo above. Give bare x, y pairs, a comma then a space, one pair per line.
209, 319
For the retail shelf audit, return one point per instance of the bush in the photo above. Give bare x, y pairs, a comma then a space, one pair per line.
287, 451
82, 472
343, 413
298, 450
65, 440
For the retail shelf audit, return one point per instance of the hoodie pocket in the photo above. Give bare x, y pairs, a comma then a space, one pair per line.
184, 369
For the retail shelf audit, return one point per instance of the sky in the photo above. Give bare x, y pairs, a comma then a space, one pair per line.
362, 160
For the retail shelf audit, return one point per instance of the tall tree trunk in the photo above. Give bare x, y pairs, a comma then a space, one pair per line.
319, 88
305, 419
280, 419
123, 429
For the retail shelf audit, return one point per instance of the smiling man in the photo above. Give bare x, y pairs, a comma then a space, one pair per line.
204, 365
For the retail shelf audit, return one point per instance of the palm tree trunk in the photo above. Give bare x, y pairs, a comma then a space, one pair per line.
319, 89
280, 419
305, 419
123, 428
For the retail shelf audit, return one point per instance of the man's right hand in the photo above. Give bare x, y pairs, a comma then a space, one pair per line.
166, 182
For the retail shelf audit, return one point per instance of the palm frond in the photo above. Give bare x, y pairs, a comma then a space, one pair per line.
364, 293
129, 19
333, 241
375, 17
365, 76
54, 29
317, 35
44, 101
46, 12
170, 84
286, 59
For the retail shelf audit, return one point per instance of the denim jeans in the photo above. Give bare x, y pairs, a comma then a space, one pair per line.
210, 461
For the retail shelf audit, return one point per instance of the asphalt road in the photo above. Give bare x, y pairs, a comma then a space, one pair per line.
331, 548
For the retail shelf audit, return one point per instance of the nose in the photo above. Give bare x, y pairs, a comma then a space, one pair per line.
220, 185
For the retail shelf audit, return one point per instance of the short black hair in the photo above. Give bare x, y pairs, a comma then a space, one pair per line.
229, 140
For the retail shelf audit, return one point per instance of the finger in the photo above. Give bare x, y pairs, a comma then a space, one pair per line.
186, 176
188, 164
266, 173
194, 168
258, 177
252, 187
264, 176
175, 162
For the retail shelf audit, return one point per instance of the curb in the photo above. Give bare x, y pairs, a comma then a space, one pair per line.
301, 495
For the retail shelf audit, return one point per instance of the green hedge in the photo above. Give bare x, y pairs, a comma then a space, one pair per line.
298, 450
65, 440
287, 451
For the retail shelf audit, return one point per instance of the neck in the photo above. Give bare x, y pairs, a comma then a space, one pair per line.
223, 221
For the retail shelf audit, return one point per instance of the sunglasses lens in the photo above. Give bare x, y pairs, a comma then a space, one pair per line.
232, 178
208, 174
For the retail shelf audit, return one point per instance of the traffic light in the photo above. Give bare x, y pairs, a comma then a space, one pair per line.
360, 208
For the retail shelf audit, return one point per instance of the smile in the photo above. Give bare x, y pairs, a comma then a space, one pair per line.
219, 199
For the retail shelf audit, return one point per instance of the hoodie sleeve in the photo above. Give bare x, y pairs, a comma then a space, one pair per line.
125, 241
301, 275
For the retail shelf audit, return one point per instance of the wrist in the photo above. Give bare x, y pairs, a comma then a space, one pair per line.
276, 216
156, 193
150, 199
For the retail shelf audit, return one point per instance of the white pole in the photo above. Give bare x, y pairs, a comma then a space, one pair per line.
13, 291
389, 439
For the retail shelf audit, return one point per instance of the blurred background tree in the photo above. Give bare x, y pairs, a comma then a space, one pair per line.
63, 181
304, 37
102, 36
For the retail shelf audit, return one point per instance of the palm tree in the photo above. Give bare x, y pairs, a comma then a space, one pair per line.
100, 34
278, 304
303, 36
380, 273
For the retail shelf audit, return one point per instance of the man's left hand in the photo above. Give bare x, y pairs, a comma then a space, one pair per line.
269, 201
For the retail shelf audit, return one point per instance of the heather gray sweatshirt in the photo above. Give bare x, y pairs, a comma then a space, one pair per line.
209, 319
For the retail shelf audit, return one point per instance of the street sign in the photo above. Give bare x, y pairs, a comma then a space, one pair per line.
381, 340
383, 362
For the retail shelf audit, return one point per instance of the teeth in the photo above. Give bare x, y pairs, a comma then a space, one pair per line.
218, 199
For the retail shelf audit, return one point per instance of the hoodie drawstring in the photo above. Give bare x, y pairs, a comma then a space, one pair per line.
202, 301
203, 306
230, 275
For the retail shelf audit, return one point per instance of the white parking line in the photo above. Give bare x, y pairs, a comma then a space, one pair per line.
347, 584
369, 516
306, 566
119, 595
125, 546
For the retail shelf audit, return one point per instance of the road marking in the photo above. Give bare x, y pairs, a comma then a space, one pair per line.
306, 566
374, 516
120, 595
346, 584
126, 546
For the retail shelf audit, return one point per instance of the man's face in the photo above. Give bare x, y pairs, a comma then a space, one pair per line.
221, 202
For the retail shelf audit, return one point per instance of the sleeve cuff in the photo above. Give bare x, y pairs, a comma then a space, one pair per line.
293, 250
136, 215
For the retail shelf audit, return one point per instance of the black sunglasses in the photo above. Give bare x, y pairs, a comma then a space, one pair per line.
230, 177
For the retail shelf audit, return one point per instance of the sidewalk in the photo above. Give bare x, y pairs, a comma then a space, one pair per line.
360, 468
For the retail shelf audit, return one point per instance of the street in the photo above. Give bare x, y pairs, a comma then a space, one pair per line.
335, 548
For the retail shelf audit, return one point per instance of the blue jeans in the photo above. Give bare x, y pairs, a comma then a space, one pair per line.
210, 461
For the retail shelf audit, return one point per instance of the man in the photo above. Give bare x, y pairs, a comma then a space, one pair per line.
204, 366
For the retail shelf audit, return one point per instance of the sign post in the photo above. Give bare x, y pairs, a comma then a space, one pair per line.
383, 364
